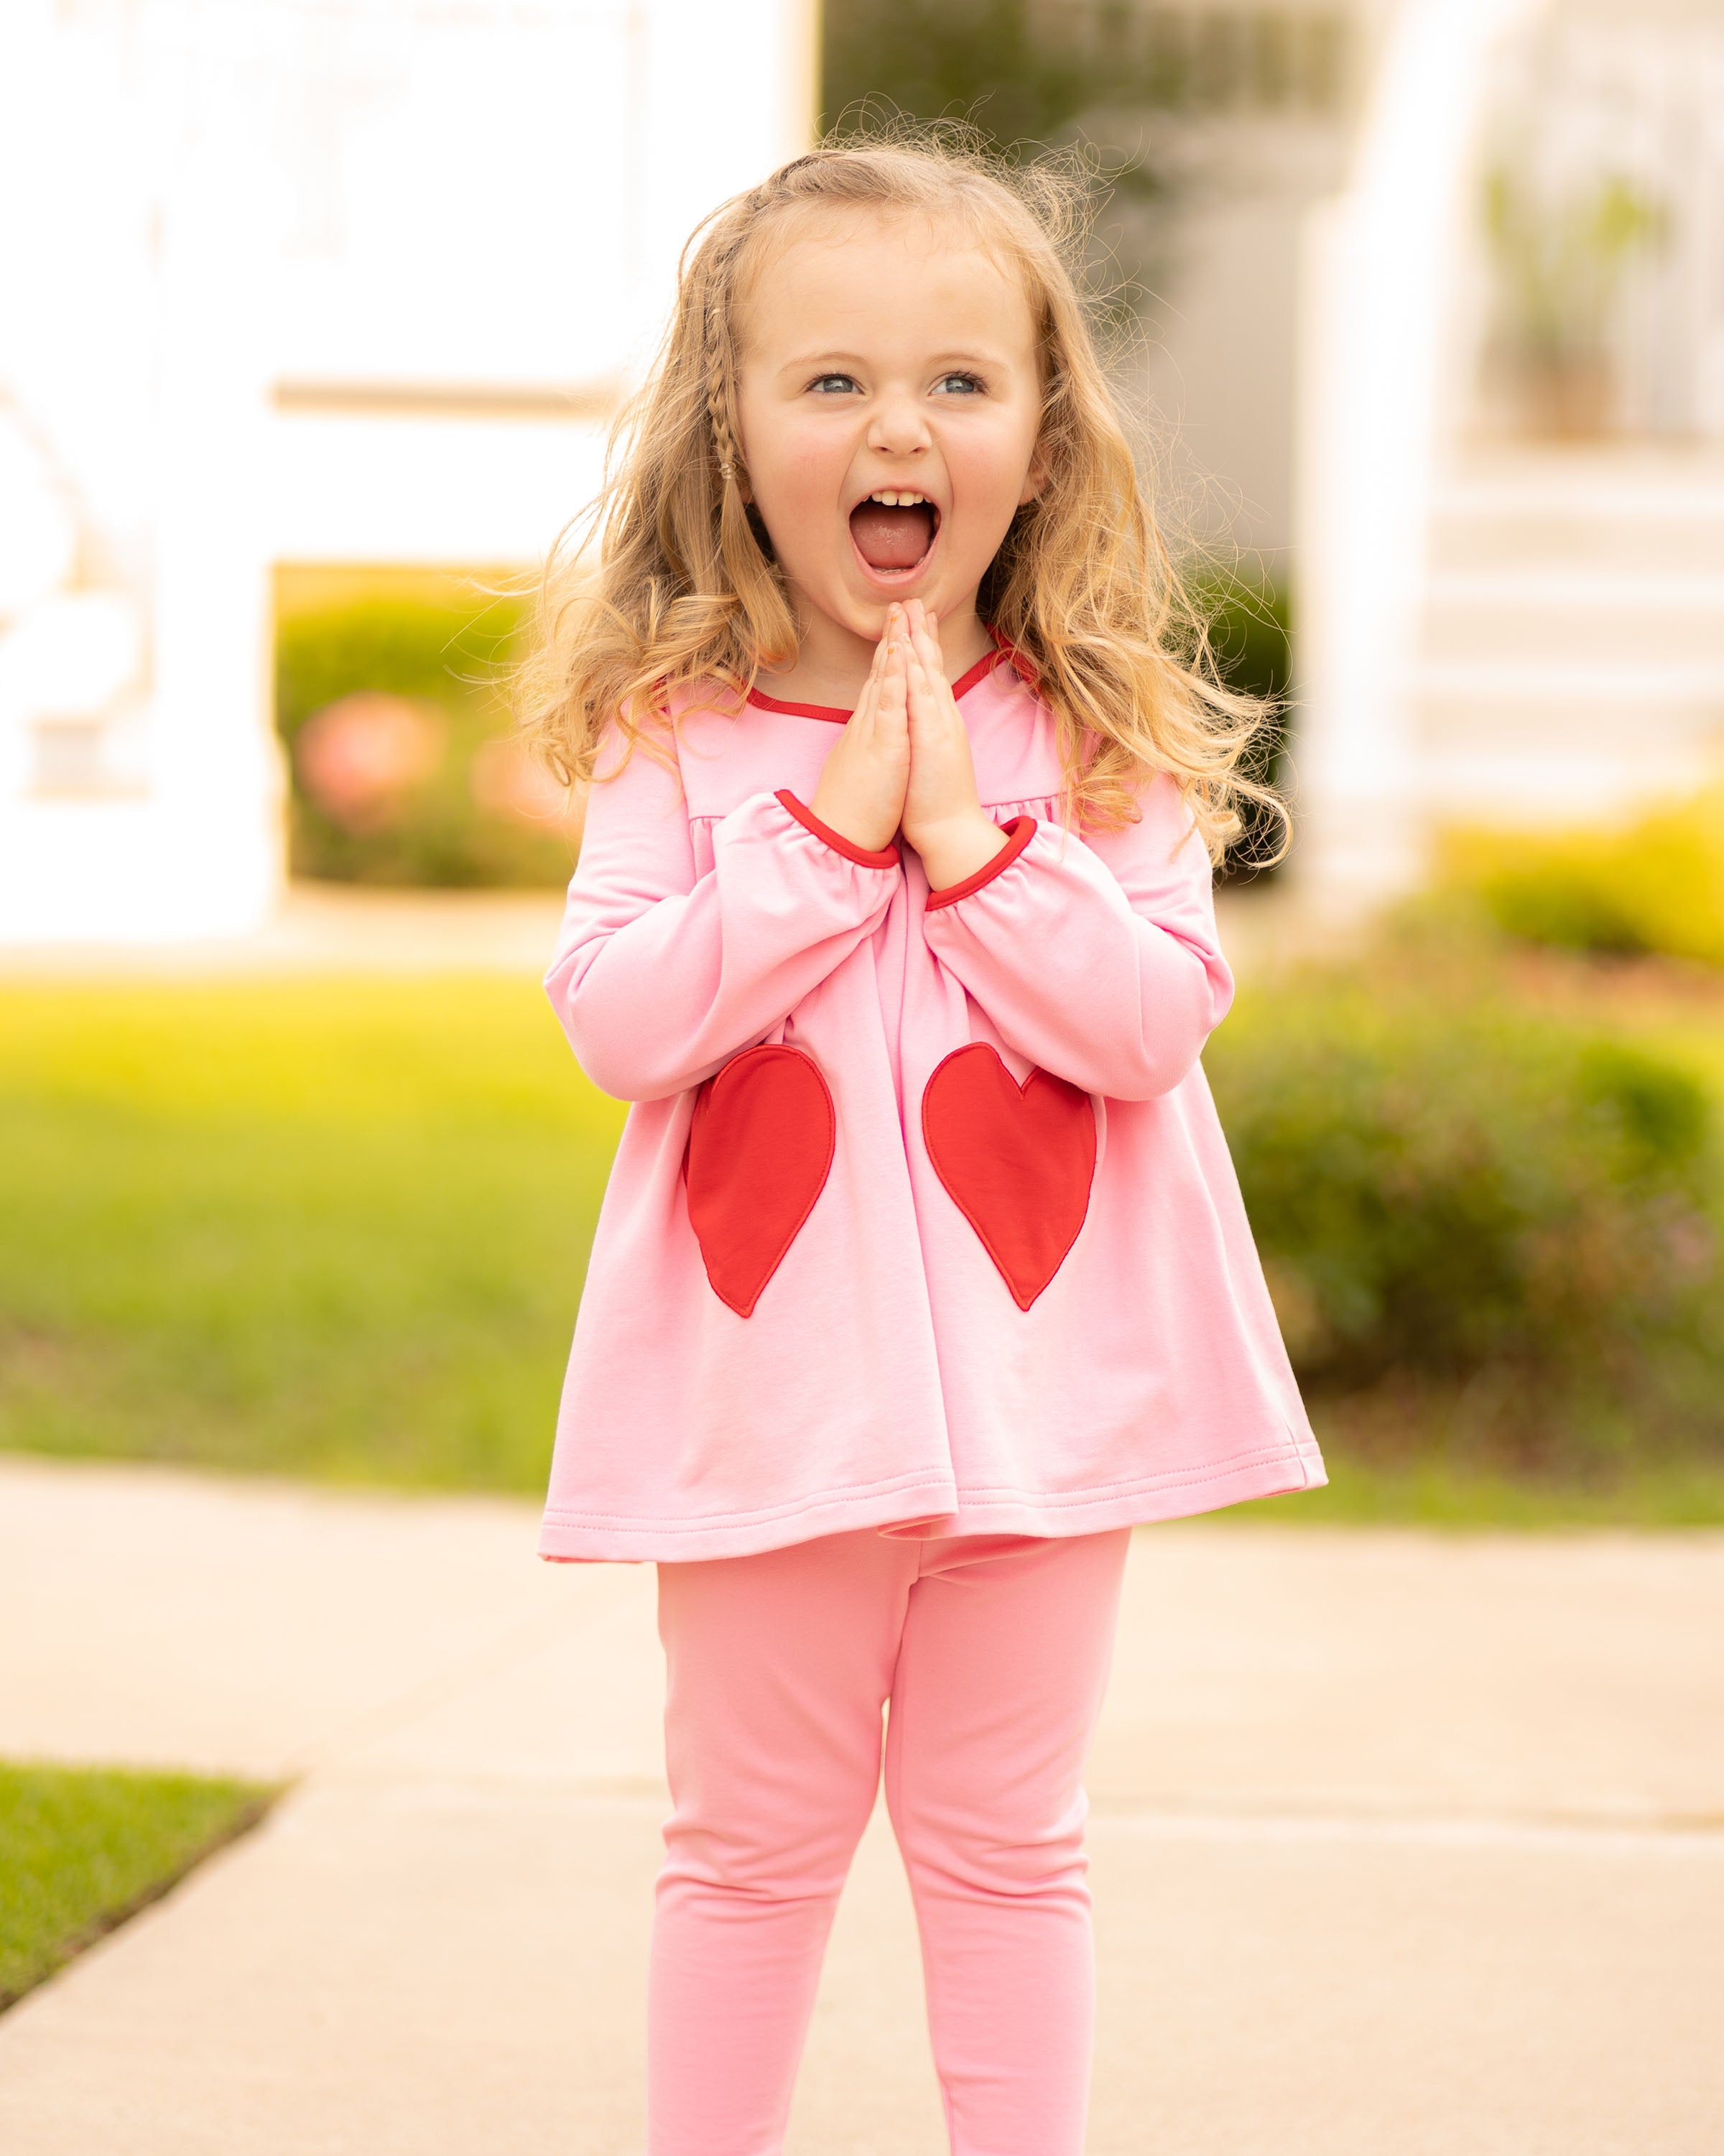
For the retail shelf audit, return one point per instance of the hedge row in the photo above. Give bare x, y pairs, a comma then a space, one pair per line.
1449, 1190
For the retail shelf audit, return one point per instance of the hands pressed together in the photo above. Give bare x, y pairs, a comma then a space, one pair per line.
902, 765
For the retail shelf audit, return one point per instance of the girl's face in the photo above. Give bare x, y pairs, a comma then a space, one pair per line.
889, 397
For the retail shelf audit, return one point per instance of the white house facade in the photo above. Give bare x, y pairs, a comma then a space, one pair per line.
360, 282
1508, 616
328, 281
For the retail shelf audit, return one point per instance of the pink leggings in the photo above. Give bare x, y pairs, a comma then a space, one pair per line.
993, 1652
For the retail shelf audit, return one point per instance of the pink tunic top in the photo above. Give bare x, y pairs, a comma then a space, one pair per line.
922, 1220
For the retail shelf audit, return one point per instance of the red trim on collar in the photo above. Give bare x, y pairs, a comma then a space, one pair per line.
1018, 833
799, 711
835, 715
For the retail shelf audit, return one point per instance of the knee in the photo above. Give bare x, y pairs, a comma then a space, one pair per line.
762, 1852
993, 1848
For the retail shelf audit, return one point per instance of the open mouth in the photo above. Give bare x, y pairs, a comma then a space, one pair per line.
894, 530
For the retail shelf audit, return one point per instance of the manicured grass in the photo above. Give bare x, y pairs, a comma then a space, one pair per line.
338, 1229
1435, 1492
326, 1227
81, 1849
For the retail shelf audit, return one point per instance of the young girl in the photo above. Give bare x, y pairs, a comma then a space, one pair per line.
922, 1274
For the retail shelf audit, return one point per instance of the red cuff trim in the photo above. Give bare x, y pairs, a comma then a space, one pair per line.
887, 858
1019, 834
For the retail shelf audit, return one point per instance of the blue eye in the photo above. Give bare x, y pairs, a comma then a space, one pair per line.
833, 384
965, 384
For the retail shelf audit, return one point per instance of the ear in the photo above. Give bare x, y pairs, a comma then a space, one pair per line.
1036, 478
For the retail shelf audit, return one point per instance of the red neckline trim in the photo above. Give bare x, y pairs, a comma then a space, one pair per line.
835, 715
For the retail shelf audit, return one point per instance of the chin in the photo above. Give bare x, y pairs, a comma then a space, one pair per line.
934, 592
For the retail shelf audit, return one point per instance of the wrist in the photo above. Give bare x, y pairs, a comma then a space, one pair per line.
955, 848
838, 807
872, 834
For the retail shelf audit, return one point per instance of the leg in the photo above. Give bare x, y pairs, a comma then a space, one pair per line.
1000, 1680
779, 1666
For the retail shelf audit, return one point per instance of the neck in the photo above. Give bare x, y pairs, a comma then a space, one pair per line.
832, 662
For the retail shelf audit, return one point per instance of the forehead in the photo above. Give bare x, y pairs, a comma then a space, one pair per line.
841, 274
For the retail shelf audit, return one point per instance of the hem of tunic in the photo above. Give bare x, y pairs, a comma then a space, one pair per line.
927, 1509
571, 1537
1052, 1514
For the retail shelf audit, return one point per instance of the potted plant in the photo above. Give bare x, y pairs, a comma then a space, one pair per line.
1560, 259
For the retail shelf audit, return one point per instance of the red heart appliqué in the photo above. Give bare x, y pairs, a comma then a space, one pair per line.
1017, 1160
760, 1149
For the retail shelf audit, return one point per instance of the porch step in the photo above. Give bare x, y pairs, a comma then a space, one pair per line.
1637, 511
1571, 658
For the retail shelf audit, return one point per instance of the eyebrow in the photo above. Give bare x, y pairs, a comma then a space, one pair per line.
837, 362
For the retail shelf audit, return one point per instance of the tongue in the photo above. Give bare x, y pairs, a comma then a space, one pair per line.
892, 538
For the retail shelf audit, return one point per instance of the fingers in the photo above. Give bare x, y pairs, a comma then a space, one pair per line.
925, 632
868, 702
892, 704
896, 645
886, 692
863, 716
928, 661
931, 698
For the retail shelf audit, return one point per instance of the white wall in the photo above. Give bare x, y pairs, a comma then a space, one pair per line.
1222, 340
350, 282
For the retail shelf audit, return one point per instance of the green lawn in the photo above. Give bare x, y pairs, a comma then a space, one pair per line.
1437, 1492
80, 1849
338, 1229
328, 1228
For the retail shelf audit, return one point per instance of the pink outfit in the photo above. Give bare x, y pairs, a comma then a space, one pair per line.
958, 1248
994, 1652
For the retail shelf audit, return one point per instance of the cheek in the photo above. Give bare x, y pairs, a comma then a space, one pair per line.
988, 463
813, 466
797, 474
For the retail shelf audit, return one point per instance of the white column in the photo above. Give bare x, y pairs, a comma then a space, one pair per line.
131, 348
217, 774
1378, 273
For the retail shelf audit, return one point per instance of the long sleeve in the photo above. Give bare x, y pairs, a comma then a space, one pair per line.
662, 972
1097, 959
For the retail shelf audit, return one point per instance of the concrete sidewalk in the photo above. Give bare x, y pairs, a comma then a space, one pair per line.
1403, 1845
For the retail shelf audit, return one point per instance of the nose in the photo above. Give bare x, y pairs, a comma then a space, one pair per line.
897, 427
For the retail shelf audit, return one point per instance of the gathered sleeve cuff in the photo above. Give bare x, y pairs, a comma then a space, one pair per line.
886, 858
663, 973
1019, 834
1095, 958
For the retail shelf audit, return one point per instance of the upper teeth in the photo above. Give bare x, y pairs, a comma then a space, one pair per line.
899, 501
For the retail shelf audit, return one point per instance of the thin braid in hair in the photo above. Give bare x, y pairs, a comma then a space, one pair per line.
719, 352
718, 418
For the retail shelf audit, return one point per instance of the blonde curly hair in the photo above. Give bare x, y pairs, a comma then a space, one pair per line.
1084, 588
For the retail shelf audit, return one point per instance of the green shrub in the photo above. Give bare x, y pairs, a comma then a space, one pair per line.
1657, 886
1250, 635
441, 649
1449, 1192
